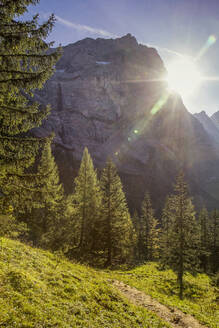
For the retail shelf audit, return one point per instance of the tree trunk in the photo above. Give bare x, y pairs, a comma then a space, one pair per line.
181, 266
83, 210
109, 227
180, 279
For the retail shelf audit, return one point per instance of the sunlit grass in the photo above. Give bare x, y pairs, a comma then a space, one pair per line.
200, 294
39, 290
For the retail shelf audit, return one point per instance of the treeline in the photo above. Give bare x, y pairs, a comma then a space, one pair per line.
94, 224
95, 221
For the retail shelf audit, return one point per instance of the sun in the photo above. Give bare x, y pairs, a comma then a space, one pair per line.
183, 77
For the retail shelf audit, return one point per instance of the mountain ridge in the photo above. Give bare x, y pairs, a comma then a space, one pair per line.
110, 95
209, 125
215, 118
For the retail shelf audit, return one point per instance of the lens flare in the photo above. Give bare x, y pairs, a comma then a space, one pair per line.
183, 76
211, 40
159, 104
208, 44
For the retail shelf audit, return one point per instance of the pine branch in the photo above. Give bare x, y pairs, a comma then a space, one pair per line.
25, 80
21, 72
21, 139
28, 110
22, 55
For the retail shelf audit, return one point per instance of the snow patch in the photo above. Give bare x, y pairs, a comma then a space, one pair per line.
103, 63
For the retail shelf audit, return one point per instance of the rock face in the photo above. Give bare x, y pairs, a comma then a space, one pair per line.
110, 96
97, 85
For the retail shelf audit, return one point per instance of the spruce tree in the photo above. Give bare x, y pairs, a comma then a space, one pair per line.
149, 231
117, 225
86, 202
181, 251
35, 196
214, 241
165, 233
9, 226
137, 234
205, 239
25, 65
59, 234
48, 197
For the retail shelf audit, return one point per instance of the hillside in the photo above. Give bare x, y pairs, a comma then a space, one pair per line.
38, 289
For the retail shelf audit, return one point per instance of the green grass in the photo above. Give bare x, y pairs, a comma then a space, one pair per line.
39, 290
200, 295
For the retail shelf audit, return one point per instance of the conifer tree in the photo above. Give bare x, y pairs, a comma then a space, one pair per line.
165, 233
181, 252
48, 195
25, 66
87, 203
37, 195
137, 232
149, 230
117, 224
60, 229
205, 239
214, 242
9, 226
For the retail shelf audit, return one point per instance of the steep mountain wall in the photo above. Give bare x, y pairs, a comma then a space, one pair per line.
110, 96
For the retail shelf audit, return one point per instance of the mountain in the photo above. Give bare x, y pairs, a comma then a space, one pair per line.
215, 119
110, 95
209, 124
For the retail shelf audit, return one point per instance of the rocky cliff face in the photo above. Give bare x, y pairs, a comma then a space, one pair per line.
98, 84
109, 95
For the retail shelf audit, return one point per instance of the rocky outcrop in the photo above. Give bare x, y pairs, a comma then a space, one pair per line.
110, 95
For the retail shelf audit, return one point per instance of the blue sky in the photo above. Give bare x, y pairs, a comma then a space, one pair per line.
180, 25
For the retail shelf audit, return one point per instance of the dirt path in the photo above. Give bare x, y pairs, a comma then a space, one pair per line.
173, 316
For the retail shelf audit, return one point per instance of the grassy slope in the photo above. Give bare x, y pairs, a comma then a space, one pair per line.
39, 290
200, 295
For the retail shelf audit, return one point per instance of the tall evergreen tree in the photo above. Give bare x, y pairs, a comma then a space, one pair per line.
87, 203
36, 195
149, 231
117, 224
165, 233
205, 239
59, 233
24, 66
48, 196
214, 242
9, 226
137, 231
181, 252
